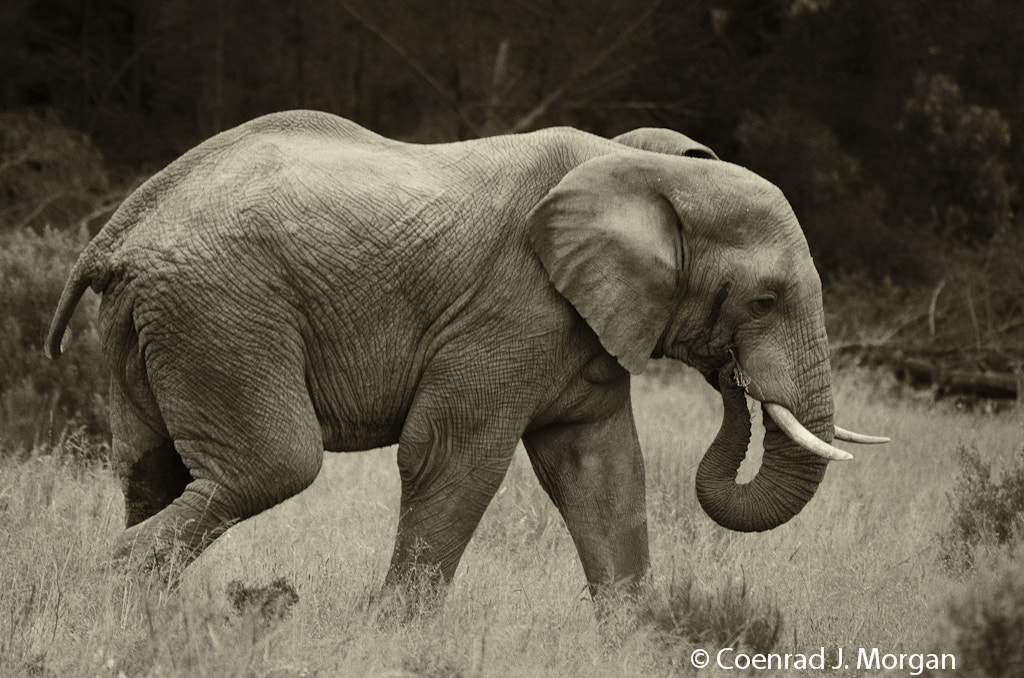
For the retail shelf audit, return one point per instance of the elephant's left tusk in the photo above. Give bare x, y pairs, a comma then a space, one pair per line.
854, 437
801, 436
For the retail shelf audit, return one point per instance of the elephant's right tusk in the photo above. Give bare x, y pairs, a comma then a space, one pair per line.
854, 437
788, 422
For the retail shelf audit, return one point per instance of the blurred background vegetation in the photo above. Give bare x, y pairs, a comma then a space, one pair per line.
890, 125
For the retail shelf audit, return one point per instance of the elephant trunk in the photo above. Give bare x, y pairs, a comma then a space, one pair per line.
787, 479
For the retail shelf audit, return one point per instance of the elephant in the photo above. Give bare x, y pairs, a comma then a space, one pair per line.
300, 284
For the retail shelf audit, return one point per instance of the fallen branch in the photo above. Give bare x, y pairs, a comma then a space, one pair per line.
990, 373
984, 384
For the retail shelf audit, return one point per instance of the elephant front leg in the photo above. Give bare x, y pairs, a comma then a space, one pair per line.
594, 473
448, 480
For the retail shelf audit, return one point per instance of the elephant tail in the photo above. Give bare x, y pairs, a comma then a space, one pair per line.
89, 270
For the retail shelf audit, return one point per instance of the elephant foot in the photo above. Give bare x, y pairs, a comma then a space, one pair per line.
163, 549
418, 593
617, 605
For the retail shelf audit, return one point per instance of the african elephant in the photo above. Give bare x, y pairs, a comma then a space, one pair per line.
300, 283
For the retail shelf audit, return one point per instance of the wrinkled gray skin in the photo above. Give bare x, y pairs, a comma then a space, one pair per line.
299, 283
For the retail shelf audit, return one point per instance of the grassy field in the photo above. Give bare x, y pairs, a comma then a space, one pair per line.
858, 568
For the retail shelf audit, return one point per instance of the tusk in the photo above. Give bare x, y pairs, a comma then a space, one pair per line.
801, 436
854, 437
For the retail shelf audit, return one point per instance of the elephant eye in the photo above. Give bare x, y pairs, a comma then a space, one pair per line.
762, 306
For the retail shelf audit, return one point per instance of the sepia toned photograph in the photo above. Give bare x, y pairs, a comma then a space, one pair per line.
539, 338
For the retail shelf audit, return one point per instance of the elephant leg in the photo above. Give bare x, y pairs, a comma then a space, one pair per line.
230, 482
594, 473
449, 476
151, 471
247, 433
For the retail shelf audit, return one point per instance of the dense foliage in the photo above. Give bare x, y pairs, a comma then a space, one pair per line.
984, 621
986, 511
883, 120
892, 125
40, 397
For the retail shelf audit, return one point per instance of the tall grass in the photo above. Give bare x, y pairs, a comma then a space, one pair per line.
858, 567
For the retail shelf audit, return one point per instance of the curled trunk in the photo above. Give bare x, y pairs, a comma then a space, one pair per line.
786, 481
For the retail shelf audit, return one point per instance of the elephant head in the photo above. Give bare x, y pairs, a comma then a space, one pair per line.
703, 261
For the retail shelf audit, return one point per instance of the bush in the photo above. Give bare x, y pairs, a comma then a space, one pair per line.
39, 398
984, 622
986, 512
840, 209
862, 309
262, 606
980, 304
966, 184
719, 617
49, 174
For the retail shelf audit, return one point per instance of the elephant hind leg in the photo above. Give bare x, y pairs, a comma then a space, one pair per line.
152, 482
244, 428
151, 471
226, 484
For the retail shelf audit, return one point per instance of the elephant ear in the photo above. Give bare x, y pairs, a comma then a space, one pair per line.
665, 141
611, 244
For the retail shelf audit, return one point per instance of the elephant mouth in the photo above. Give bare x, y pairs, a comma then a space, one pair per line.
777, 417
712, 365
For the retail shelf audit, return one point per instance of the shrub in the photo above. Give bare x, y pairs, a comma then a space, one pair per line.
199, 636
262, 606
840, 208
39, 398
49, 174
984, 621
430, 661
985, 511
726, 615
967, 186
861, 309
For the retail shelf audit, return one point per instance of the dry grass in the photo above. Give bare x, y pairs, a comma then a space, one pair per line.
857, 568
